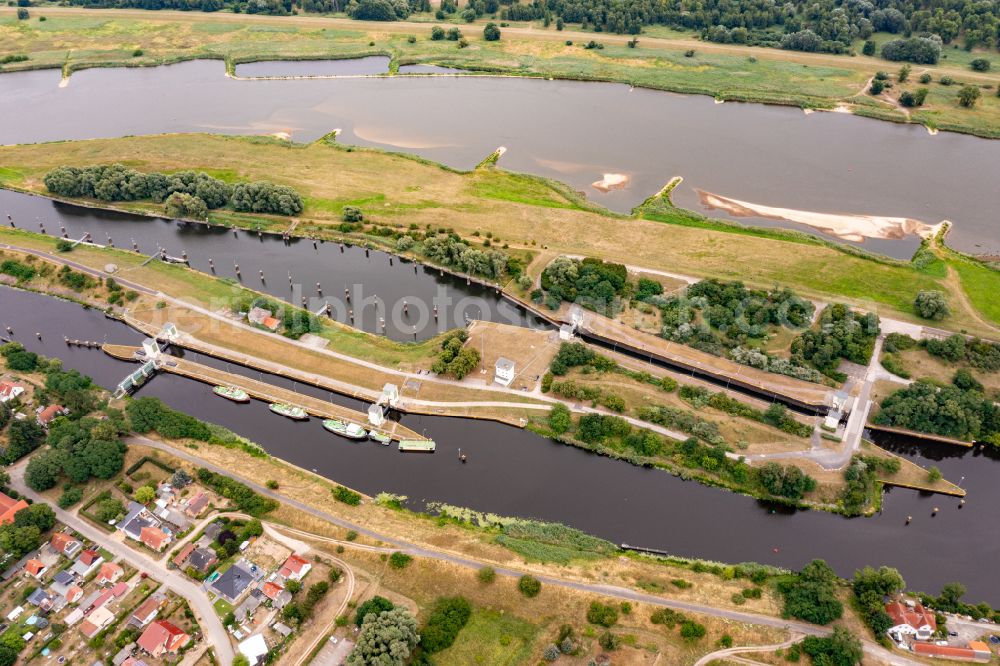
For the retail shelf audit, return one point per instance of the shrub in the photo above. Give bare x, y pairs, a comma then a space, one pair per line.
692, 631
931, 304
968, 96
181, 205
352, 214
374, 605
529, 586
22, 14
70, 496
980, 65
604, 615
486, 575
399, 560
491, 32
346, 495
447, 618
926, 78
437, 33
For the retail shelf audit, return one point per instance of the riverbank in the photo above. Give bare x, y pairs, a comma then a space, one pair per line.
75, 39
523, 213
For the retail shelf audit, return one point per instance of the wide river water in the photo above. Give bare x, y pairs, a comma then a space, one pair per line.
515, 472
573, 131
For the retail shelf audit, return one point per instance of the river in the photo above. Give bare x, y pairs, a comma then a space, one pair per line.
515, 472
572, 131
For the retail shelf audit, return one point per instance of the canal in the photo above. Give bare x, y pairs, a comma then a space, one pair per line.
515, 472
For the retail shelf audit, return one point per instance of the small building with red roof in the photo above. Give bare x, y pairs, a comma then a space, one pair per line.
10, 391
65, 544
50, 414
9, 507
295, 567
162, 637
977, 651
74, 594
110, 573
35, 568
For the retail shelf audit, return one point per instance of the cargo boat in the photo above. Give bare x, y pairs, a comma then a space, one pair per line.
231, 393
344, 429
417, 445
290, 411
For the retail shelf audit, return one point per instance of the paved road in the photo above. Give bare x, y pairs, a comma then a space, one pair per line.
606, 590
212, 627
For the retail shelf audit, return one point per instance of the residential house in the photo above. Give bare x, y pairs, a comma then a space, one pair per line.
74, 594
154, 538
110, 573
86, 563
910, 619
295, 567
134, 661
278, 595
235, 580
212, 531
503, 371
65, 544
246, 609
282, 629
137, 518
177, 520
202, 559
162, 637
61, 582
96, 620
977, 651
10, 506
181, 557
41, 599
49, 414
196, 505
147, 610
262, 317
9, 391
35, 568
124, 654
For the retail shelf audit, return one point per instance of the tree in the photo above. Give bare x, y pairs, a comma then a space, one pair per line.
241, 660
449, 616
183, 205
372, 10
604, 615
23, 437
980, 65
904, 73
931, 304
907, 99
811, 596
43, 469
374, 605
842, 648
108, 509
529, 586
386, 639
968, 96
145, 495
491, 32
869, 48
437, 33
876, 87
919, 96
353, 214
39, 515
560, 418
22, 14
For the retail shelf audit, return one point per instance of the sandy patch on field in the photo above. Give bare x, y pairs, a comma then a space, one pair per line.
844, 226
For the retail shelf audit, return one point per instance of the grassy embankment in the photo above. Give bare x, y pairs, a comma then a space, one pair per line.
528, 213
74, 39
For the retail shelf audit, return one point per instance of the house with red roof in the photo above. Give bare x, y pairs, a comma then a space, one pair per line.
278, 595
977, 651
65, 544
154, 537
74, 594
98, 619
10, 391
35, 568
10, 506
50, 414
182, 556
196, 505
910, 619
89, 560
295, 568
147, 610
110, 572
162, 637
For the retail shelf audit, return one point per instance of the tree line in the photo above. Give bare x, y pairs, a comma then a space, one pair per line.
185, 193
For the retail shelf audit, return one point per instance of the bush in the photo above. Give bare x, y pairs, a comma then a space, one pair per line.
346, 495
486, 575
491, 32
926, 78
968, 96
812, 594
931, 305
692, 631
529, 586
183, 205
374, 605
352, 214
264, 197
447, 618
920, 50
980, 65
604, 615
70, 496
148, 413
399, 560
22, 14
437, 33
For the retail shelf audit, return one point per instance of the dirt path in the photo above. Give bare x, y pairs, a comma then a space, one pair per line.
731, 652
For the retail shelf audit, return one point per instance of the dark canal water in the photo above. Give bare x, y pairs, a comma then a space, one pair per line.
515, 472
572, 131
378, 284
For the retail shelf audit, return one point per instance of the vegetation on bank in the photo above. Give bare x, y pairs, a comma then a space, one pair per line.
187, 194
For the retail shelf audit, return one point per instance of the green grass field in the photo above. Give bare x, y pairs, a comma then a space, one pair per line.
490, 639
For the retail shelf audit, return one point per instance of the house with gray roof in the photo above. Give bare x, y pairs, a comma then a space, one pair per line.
202, 559
137, 518
236, 580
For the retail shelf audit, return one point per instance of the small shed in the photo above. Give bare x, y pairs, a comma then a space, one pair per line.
504, 371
